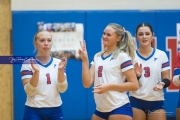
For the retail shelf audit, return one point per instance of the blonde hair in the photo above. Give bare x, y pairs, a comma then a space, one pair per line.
124, 45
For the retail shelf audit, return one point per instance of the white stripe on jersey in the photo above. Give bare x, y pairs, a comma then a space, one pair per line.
151, 75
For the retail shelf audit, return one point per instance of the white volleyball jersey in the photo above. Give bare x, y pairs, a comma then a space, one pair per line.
110, 70
152, 67
177, 71
46, 94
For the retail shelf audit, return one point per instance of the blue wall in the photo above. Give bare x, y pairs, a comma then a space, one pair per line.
78, 102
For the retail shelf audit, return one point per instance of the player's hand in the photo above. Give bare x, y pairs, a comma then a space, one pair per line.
101, 88
62, 63
34, 65
138, 69
159, 86
82, 51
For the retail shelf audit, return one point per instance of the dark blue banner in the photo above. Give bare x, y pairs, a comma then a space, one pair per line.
15, 59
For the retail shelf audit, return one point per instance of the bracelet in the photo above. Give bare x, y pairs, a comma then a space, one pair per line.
166, 81
138, 77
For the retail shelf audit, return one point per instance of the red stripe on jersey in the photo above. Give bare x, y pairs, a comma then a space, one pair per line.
165, 64
125, 64
26, 72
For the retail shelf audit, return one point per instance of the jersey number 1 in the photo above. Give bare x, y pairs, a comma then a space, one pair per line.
48, 78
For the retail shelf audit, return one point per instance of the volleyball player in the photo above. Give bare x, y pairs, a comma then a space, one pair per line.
43, 78
176, 81
107, 72
148, 100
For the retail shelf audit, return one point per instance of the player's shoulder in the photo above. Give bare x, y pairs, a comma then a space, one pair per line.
26, 65
123, 54
27, 62
97, 55
161, 52
161, 55
158, 51
56, 60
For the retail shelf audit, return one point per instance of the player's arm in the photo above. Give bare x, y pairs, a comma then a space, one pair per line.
87, 74
138, 70
129, 72
176, 77
166, 78
62, 79
30, 79
62, 82
165, 82
176, 80
131, 85
30, 84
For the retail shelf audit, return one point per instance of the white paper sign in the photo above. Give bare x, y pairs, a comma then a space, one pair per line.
67, 43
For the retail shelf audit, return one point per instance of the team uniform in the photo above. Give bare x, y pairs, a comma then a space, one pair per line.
176, 76
145, 98
110, 70
46, 100
178, 105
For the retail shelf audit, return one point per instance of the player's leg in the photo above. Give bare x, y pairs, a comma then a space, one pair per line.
31, 113
119, 117
138, 114
157, 115
100, 115
157, 111
137, 107
178, 113
122, 113
178, 109
95, 117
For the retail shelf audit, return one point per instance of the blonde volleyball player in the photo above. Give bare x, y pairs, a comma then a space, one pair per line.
43, 78
108, 71
176, 81
153, 64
